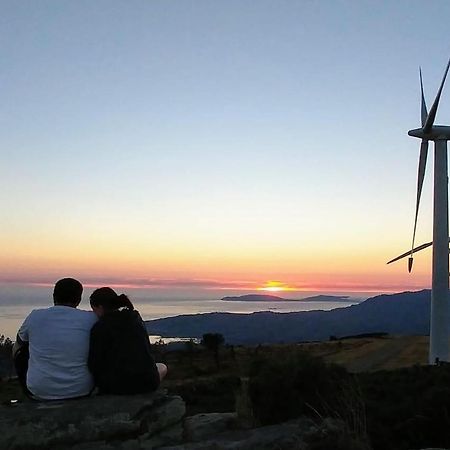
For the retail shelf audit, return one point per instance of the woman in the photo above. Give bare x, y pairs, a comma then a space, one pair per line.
119, 356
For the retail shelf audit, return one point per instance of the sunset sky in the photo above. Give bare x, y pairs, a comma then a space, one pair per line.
193, 145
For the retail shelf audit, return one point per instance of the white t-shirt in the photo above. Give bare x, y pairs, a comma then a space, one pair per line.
59, 346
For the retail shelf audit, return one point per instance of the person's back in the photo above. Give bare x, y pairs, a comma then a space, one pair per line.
120, 354
58, 339
59, 345
120, 357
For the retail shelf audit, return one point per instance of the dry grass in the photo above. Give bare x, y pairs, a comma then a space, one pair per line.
390, 352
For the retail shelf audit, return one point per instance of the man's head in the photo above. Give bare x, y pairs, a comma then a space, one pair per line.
67, 292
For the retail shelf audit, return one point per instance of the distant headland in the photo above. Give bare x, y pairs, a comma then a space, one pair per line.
274, 298
406, 313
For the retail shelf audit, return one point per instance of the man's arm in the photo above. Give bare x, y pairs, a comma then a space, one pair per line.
18, 345
22, 337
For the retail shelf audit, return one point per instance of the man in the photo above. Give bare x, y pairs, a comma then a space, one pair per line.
58, 339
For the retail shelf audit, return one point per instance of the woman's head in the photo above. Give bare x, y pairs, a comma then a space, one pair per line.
105, 299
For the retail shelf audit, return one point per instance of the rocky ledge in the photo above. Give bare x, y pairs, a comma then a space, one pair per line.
156, 421
103, 422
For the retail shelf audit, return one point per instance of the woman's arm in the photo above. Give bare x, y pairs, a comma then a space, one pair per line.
97, 349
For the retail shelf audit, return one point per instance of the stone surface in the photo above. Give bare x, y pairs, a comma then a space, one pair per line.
103, 422
299, 434
203, 426
286, 436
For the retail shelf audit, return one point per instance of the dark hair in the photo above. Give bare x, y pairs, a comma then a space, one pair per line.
109, 299
67, 291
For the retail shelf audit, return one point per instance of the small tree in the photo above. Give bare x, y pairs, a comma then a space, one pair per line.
213, 342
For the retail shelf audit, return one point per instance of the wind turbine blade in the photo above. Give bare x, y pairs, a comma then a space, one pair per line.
420, 177
424, 111
414, 250
432, 115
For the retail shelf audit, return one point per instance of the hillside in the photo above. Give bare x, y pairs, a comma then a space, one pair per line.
407, 313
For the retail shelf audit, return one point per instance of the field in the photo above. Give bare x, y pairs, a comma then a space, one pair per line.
194, 372
206, 387
370, 354
399, 402
365, 354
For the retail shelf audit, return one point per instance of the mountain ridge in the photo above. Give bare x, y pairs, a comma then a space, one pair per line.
405, 313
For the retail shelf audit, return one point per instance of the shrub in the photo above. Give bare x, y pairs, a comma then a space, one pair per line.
298, 385
408, 408
213, 342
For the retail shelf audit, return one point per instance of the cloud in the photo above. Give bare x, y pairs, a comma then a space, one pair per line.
148, 283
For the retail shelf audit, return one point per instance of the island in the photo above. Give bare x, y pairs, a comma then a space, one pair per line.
274, 298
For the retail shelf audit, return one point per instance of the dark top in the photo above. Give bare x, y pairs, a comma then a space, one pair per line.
119, 355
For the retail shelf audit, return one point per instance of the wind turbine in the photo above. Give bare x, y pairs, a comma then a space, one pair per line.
440, 311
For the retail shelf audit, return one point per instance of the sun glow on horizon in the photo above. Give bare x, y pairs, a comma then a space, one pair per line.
275, 286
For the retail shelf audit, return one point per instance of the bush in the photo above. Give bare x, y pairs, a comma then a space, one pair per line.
6, 346
408, 408
295, 386
213, 342
6, 363
405, 408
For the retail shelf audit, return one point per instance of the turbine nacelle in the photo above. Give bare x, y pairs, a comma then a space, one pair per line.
436, 133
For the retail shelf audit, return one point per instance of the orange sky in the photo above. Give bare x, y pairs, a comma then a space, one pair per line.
192, 268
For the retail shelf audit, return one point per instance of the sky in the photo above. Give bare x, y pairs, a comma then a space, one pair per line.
187, 146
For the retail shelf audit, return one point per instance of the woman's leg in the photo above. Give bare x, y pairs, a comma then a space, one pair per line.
162, 370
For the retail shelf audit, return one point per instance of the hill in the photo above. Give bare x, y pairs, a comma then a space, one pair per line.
407, 313
274, 298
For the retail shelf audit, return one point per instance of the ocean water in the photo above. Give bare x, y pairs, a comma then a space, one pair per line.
16, 303
12, 315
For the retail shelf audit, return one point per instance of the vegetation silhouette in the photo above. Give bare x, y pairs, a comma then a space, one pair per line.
213, 342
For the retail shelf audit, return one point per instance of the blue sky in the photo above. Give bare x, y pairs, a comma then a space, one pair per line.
153, 134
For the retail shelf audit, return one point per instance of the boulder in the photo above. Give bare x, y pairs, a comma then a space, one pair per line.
203, 426
103, 422
285, 436
299, 434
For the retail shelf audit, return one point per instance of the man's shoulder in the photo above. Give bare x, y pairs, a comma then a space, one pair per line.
38, 312
58, 311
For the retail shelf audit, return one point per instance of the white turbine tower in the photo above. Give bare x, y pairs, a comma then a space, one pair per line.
440, 311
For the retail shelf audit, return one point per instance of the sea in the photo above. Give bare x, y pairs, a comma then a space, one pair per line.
17, 302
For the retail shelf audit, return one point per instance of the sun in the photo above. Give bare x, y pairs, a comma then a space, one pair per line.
275, 286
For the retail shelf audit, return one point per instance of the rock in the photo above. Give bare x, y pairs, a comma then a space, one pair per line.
204, 426
299, 434
102, 422
285, 436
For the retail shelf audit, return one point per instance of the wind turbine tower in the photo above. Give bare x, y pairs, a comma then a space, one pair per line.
440, 310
